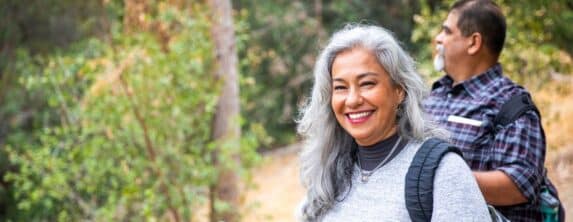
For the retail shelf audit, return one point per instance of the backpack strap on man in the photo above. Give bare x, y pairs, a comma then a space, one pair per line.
510, 111
420, 178
513, 109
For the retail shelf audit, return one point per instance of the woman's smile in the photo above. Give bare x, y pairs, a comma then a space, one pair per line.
359, 117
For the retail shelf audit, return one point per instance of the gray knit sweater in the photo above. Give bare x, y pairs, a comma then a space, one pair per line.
456, 193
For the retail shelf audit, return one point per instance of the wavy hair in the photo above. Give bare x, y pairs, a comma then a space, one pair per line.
328, 154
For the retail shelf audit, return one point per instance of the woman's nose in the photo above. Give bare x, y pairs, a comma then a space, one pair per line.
354, 99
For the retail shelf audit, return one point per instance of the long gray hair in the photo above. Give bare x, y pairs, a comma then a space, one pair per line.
327, 158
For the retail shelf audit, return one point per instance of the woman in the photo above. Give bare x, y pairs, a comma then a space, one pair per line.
362, 126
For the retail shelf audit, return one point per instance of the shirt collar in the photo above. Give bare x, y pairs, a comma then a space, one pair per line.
475, 85
444, 81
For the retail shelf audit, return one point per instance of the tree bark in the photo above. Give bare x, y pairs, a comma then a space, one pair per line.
225, 126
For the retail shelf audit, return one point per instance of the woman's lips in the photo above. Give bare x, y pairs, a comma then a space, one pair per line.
358, 117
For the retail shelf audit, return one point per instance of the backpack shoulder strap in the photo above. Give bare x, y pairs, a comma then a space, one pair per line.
513, 109
420, 178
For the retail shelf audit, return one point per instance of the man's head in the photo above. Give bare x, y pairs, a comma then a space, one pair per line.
484, 17
473, 33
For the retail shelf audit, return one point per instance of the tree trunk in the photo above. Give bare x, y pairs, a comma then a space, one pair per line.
225, 124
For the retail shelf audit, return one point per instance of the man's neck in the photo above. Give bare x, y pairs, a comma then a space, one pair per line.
469, 71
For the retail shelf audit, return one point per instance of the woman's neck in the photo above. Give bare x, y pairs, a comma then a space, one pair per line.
371, 156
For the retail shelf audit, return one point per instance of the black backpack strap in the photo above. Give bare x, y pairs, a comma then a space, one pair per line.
513, 109
420, 178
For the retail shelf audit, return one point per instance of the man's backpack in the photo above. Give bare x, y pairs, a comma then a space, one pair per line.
509, 112
420, 176
419, 192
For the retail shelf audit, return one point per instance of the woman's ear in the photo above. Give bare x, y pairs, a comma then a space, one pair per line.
401, 94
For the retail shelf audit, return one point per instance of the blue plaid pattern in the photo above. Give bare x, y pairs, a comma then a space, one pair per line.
518, 149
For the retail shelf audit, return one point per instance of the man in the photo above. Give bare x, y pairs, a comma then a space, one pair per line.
507, 161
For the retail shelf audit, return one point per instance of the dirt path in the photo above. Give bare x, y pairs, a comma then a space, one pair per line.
560, 170
279, 190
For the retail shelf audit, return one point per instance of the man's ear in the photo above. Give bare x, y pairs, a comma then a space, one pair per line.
475, 43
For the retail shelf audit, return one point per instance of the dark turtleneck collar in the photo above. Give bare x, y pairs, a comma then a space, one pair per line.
371, 156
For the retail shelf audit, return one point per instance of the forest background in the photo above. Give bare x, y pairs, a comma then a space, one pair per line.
108, 107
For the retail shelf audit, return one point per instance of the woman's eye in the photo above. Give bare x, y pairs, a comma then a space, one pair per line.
368, 83
339, 87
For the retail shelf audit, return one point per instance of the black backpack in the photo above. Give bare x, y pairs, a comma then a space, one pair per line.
420, 180
420, 176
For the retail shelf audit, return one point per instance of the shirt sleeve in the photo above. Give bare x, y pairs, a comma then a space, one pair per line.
456, 193
519, 152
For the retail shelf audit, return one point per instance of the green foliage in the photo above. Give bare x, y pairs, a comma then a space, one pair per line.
393, 15
532, 53
276, 58
127, 134
43, 25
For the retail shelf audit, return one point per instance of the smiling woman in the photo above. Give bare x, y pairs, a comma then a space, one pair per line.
362, 126
364, 98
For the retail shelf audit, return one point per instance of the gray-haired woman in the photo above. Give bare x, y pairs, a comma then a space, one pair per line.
362, 126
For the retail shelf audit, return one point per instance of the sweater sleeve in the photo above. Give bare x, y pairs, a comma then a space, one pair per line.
456, 193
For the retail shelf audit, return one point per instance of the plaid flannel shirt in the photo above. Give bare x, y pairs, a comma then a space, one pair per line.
518, 149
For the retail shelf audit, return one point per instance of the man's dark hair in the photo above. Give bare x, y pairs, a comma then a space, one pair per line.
484, 17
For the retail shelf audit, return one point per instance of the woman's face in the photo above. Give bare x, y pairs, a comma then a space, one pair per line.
364, 100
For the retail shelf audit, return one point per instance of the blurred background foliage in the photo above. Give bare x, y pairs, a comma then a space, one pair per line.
111, 126
104, 116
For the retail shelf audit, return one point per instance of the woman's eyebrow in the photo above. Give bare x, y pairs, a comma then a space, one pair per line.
360, 76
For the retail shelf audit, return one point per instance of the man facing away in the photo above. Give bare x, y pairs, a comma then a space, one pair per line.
508, 162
